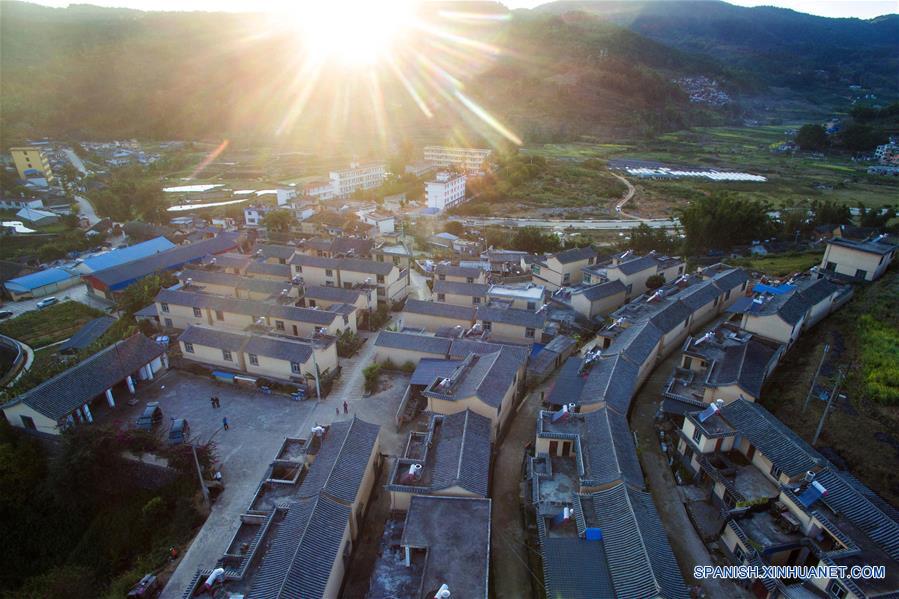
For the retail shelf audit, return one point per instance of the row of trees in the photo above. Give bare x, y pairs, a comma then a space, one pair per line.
853, 137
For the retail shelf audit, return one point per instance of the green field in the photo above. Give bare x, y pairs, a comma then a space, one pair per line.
780, 265
791, 177
40, 328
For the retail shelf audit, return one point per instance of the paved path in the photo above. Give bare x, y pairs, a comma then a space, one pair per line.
86, 209
628, 196
685, 541
77, 292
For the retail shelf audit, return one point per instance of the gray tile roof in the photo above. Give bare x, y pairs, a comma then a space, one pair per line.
612, 380
297, 314
216, 338
637, 342
869, 247
429, 369
700, 295
575, 254
456, 533
458, 271
730, 279
640, 560
512, 316
69, 390
90, 332
211, 277
745, 365
603, 290
574, 568
569, 383
413, 342
333, 294
487, 376
264, 268
440, 309
457, 288
787, 450
637, 265
341, 463
303, 551
279, 349
818, 291
146, 311
671, 316
794, 309
341, 245
282, 252
213, 302
348, 264
239, 261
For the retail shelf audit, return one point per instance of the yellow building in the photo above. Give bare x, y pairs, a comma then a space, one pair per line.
31, 163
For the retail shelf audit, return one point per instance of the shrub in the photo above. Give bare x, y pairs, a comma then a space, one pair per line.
655, 281
409, 367
371, 374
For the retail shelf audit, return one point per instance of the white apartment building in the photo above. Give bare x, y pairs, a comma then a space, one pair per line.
470, 159
446, 191
321, 189
358, 176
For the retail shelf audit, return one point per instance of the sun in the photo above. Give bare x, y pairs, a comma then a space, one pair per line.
351, 32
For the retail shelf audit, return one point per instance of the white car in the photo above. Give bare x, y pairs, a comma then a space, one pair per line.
46, 302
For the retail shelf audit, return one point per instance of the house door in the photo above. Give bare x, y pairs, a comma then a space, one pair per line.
296, 331
566, 449
553, 447
718, 444
751, 453
688, 361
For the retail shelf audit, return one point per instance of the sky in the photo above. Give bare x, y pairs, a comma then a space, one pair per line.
863, 9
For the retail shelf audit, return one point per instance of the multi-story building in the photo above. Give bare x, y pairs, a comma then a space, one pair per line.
31, 163
446, 190
359, 176
861, 260
390, 280
470, 159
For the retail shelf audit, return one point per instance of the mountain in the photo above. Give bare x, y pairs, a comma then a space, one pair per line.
98, 73
779, 47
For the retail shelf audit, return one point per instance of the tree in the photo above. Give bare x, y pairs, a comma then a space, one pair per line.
142, 293
722, 221
655, 281
279, 221
645, 239
829, 212
531, 239
454, 227
875, 217
812, 137
856, 137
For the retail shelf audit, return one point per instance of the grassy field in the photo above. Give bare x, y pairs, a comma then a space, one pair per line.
860, 431
747, 149
780, 265
40, 328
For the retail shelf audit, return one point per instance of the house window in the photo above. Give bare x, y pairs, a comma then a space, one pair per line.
441, 277
295, 368
28, 422
861, 274
329, 272
219, 315
532, 305
776, 472
441, 297
298, 268
487, 324
279, 325
381, 292
380, 278
189, 347
831, 267
836, 589
697, 434
566, 277
739, 554
587, 279
529, 333
311, 303
475, 300
198, 313
164, 306
727, 295
254, 359
329, 283
169, 324
469, 280
226, 356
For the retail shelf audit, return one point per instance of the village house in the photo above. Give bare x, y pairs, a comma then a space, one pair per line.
452, 458
524, 296
390, 281
562, 268
460, 294
776, 312
243, 287
511, 325
459, 274
634, 271
859, 260
436, 316
598, 300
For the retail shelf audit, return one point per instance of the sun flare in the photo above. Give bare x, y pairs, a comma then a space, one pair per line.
352, 32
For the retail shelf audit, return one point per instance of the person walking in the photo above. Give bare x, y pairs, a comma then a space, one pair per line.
225, 422
346, 408
337, 410
218, 402
212, 402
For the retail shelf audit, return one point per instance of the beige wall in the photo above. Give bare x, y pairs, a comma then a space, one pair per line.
182, 316
674, 338
400, 500
365, 488
510, 332
728, 393
212, 355
818, 312
279, 369
43, 424
637, 280
703, 315
432, 323
401, 356
602, 306
441, 406
481, 278
458, 300
335, 580
772, 327
521, 304
848, 261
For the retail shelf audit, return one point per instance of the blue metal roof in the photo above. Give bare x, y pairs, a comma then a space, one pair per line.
128, 254
39, 279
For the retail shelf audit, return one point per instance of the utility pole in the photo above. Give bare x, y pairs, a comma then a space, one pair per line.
833, 394
318, 389
193, 449
811, 388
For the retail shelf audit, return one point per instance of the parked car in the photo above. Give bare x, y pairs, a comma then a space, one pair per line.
151, 417
147, 588
180, 431
46, 302
5, 314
